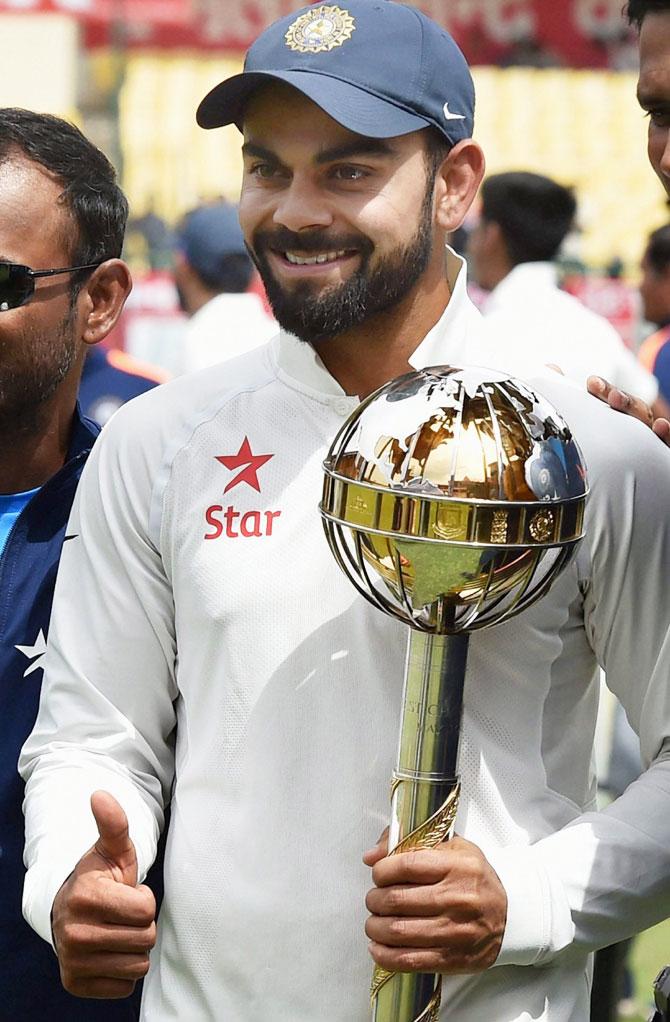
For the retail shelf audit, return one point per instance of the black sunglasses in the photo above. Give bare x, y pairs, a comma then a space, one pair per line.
17, 283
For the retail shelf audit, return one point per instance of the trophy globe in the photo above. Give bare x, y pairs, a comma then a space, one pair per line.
452, 499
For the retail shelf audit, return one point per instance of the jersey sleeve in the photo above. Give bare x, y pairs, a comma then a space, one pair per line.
606, 875
107, 710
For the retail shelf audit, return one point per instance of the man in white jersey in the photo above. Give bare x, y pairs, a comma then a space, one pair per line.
206, 650
524, 219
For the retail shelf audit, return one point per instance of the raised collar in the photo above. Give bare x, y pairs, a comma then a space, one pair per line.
84, 433
300, 367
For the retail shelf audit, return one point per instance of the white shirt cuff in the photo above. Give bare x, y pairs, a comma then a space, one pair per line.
539, 923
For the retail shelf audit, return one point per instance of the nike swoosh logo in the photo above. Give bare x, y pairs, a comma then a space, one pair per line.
75, 535
451, 117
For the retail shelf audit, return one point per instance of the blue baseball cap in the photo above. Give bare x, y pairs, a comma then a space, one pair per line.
208, 235
376, 67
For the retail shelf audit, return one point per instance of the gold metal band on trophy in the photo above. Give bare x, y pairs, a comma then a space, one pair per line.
379, 978
434, 830
432, 1012
428, 835
438, 518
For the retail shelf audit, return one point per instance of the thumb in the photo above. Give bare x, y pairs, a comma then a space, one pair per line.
114, 844
380, 850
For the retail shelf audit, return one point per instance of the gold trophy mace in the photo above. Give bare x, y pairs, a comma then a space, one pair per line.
452, 498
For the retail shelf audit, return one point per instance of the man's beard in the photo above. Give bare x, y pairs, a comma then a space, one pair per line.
317, 316
27, 382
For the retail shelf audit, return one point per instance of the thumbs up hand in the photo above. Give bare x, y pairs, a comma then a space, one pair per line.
104, 923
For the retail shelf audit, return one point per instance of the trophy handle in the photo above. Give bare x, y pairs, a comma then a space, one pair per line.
424, 795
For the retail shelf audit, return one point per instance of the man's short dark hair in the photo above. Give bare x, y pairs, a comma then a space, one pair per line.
533, 212
637, 10
91, 195
657, 251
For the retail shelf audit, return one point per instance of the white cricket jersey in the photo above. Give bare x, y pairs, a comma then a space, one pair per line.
532, 318
205, 647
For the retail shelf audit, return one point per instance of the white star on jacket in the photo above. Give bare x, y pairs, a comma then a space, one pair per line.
35, 653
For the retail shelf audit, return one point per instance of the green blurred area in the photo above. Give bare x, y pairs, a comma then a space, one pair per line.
651, 951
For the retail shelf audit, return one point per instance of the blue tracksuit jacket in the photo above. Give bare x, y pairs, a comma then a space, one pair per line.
30, 988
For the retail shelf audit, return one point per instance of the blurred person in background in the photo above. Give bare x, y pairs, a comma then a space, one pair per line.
62, 288
524, 219
213, 272
110, 378
654, 353
613, 994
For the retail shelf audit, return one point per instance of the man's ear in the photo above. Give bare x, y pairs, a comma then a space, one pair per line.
457, 183
101, 299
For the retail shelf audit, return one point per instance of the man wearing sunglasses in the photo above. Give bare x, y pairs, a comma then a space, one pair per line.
62, 288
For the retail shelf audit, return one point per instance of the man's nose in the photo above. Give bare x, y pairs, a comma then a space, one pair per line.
303, 206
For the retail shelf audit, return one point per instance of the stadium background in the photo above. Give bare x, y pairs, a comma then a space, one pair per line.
132, 71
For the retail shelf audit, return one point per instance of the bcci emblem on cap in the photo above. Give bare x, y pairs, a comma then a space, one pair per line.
319, 30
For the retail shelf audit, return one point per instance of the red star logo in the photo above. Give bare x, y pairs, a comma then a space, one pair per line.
253, 462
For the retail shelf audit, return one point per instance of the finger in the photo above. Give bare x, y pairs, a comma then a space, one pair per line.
406, 900
603, 389
105, 901
79, 938
394, 931
125, 906
379, 850
410, 959
112, 965
114, 844
99, 989
598, 387
620, 401
661, 428
421, 866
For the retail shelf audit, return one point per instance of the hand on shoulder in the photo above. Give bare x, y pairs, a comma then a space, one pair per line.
657, 417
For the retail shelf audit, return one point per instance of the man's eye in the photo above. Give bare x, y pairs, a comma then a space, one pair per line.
263, 170
347, 173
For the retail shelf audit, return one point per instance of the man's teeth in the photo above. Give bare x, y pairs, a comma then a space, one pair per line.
323, 257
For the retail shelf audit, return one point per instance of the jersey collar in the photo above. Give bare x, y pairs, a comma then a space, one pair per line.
299, 365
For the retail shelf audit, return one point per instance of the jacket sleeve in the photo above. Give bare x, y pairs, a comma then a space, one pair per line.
606, 875
107, 711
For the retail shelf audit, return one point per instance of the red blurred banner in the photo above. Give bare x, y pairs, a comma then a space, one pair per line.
572, 32
99, 15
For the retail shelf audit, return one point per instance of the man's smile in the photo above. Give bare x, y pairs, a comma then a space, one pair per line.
296, 262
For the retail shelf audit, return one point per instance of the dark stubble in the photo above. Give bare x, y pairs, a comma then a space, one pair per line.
370, 290
32, 366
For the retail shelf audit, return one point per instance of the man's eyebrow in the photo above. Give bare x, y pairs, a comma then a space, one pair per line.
346, 151
358, 147
253, 149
